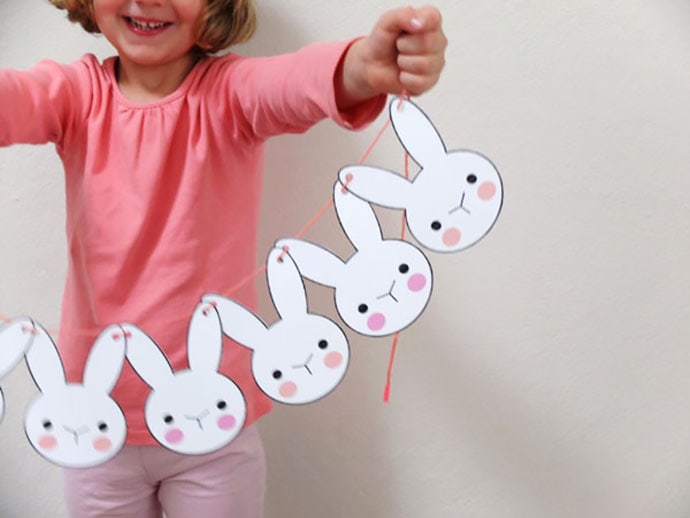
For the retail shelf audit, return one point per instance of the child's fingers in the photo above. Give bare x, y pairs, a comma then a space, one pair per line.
420, 60
408, 20
407, 48
415, 84
424, 19
422, 43
419, 73
393, 22
430, 65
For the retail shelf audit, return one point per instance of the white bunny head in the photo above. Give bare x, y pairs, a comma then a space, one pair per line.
455, 198
192, 411
15, 338
70, 424
383, 287
300, 358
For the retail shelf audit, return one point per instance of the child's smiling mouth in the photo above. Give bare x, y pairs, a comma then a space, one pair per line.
146, 26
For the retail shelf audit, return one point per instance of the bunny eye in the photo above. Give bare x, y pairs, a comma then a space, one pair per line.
323, 344
471, 178
221, 405
47, 425
102, 426
277, 375
436, 225
363, 308
403, 268
168, 419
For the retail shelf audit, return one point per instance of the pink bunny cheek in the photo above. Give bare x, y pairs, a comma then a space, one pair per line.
226, 422
451, 237
417, 282
102, 444
486, 191
288, 389
174, 436
47, 442
333, 360
376, 321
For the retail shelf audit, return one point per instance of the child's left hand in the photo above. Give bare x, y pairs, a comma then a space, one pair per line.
404, 53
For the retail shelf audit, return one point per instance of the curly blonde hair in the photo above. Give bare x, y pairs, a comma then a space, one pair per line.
223, 22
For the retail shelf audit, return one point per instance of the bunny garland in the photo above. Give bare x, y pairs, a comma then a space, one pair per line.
381, 289
70, 424
454, 200
302, 357
194, 411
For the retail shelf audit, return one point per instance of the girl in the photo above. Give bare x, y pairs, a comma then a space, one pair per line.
162, 149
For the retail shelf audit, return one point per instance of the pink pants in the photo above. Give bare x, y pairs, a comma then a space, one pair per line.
145, 481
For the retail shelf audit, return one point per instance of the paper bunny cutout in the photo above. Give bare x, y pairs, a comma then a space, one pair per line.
383, 287
452, 202
193, 411
71, 424
15, 338
302, 357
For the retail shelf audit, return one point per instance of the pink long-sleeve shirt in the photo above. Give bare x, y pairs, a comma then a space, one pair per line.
163, 197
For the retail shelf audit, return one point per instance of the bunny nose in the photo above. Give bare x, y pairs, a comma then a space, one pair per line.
76, 433
451, 237
198, 418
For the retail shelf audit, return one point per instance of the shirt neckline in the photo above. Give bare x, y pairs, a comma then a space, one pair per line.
110, 63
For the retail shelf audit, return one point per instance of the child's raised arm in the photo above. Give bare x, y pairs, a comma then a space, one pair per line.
37, 105
403, 53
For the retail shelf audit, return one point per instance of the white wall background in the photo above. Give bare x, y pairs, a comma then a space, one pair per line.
550, 376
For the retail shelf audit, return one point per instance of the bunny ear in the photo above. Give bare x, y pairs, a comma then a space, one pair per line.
105, 361
416, 133
204, 339
285, 284
15, 338
356, 217
313, 262
377, 185
146, 358
237, 322
44, 361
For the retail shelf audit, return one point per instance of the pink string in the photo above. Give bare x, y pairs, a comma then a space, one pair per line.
394, 348
389, 372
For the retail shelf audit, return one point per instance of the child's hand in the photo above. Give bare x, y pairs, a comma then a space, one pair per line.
404, 52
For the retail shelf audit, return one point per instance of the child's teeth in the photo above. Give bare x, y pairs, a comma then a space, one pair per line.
146, 25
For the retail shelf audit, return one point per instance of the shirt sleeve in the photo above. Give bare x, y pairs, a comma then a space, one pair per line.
38, 105
289, 93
